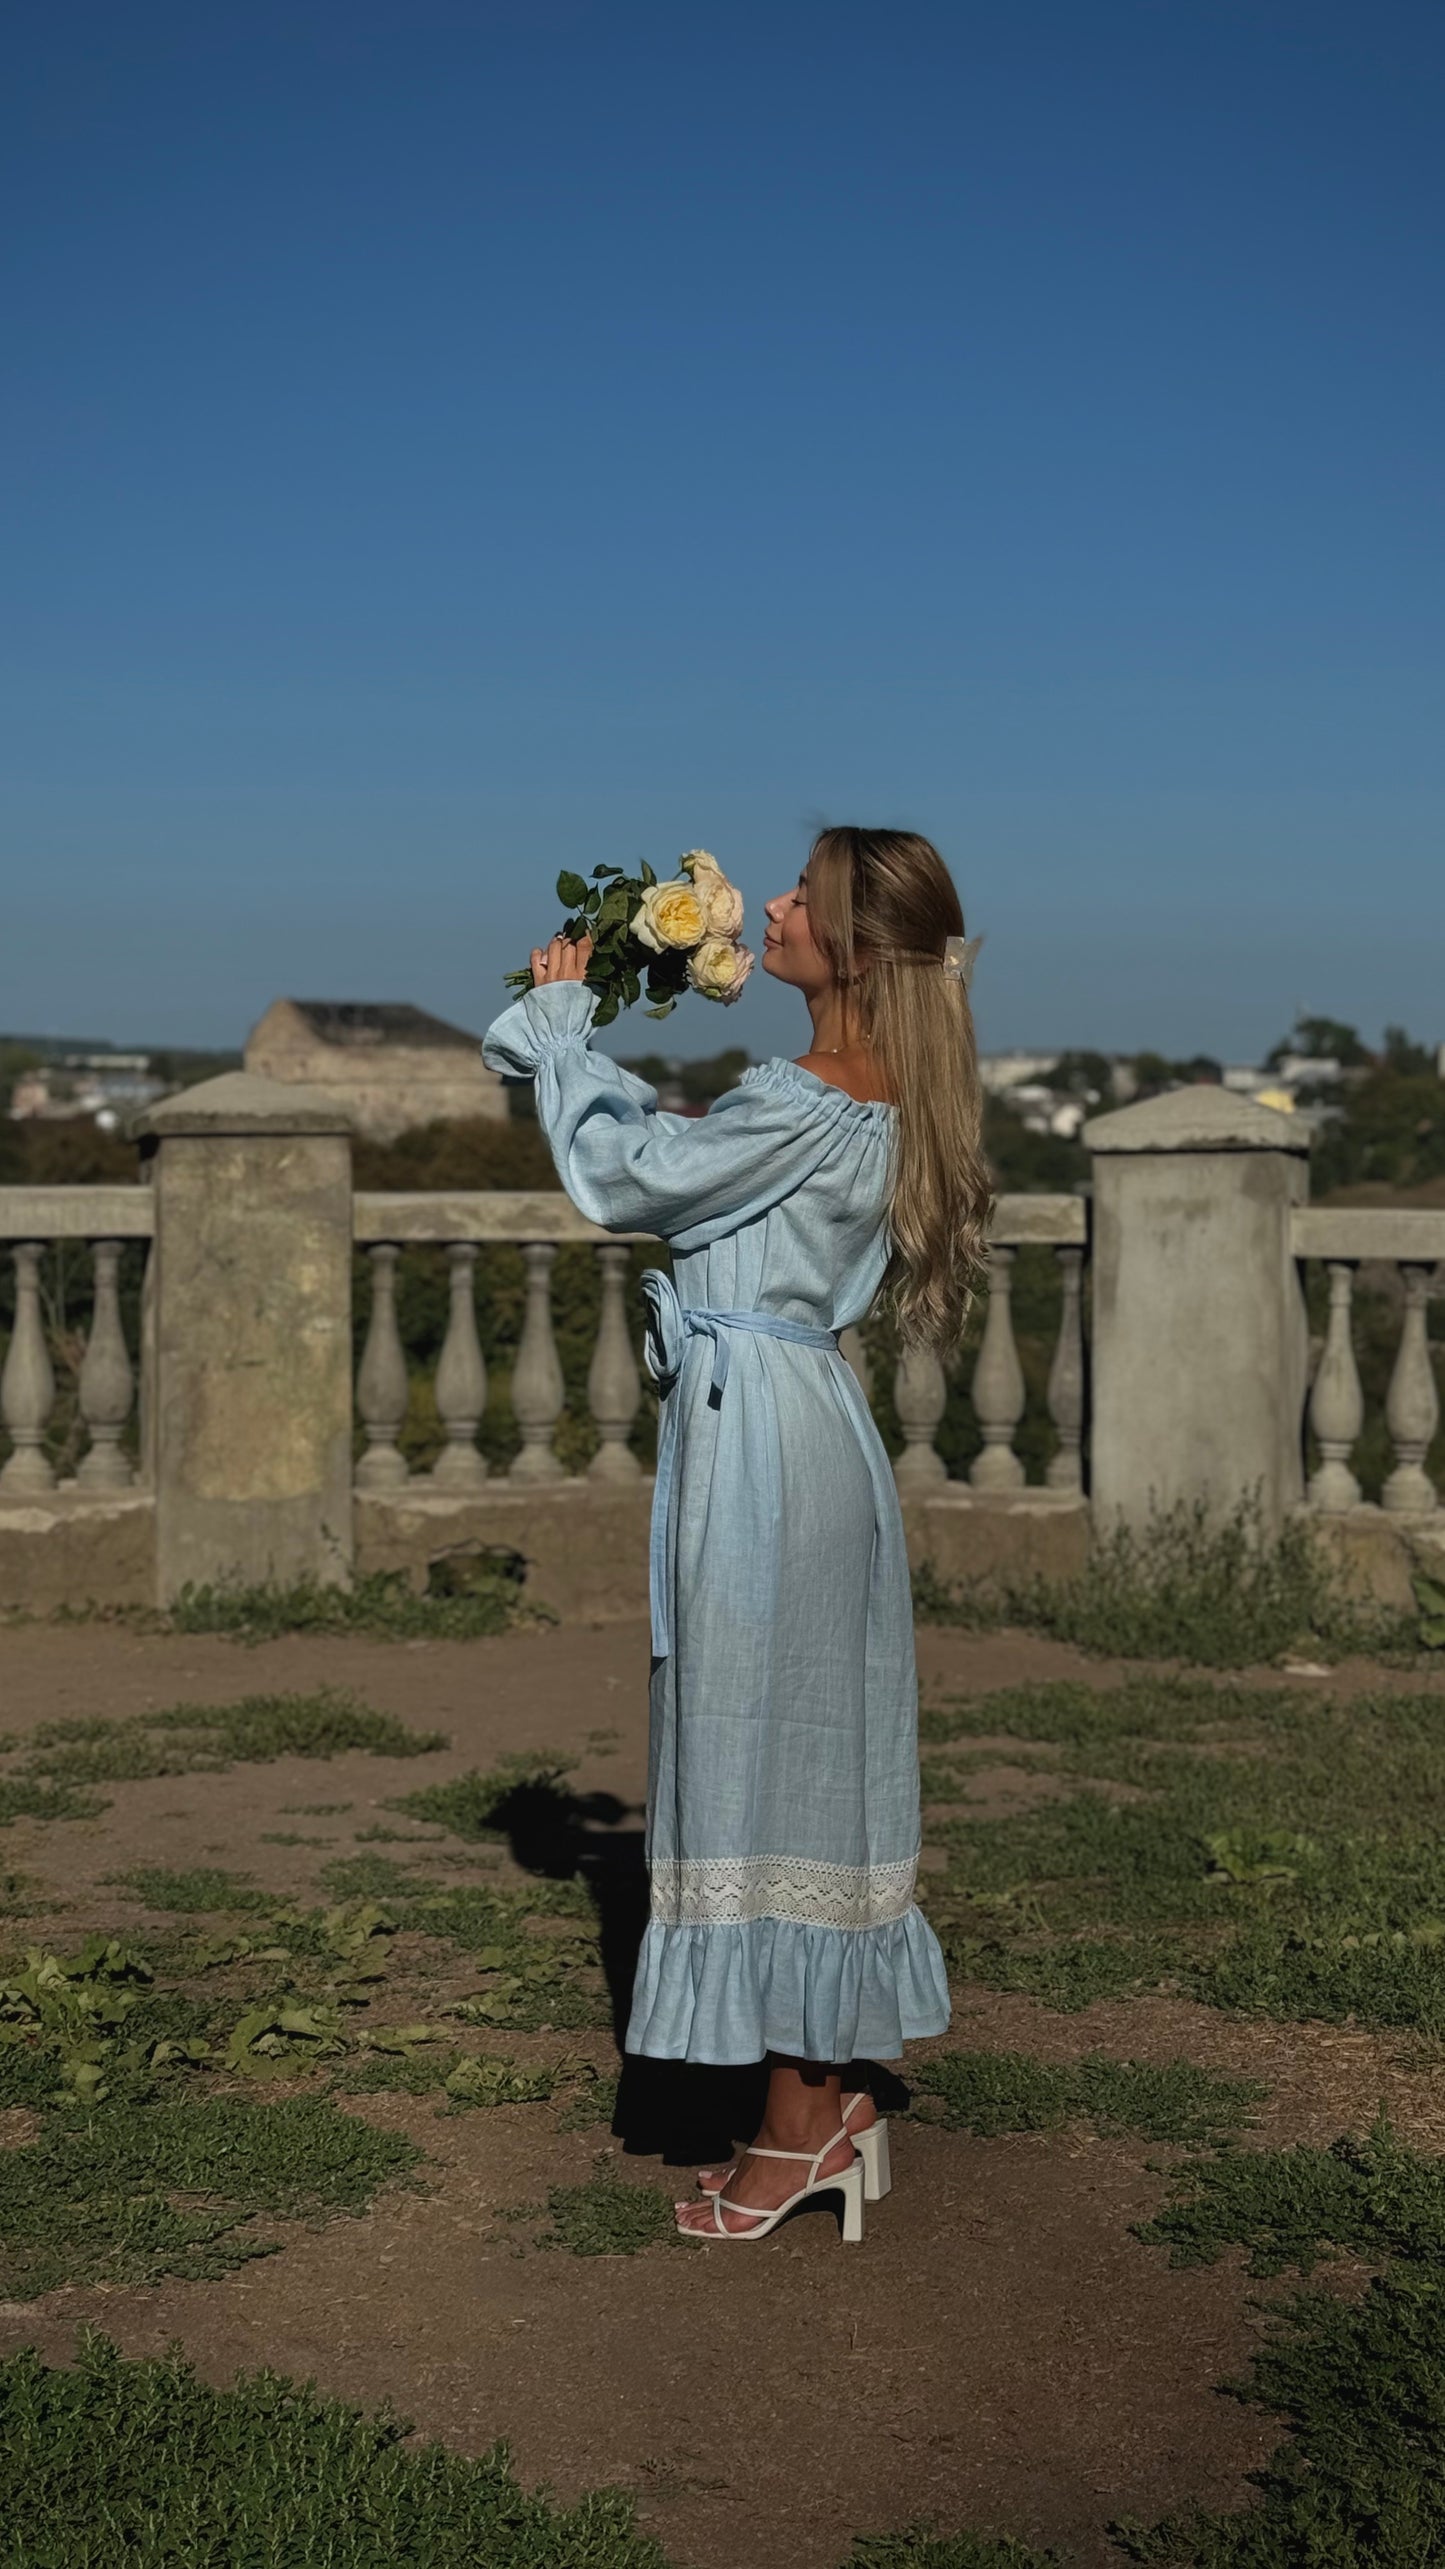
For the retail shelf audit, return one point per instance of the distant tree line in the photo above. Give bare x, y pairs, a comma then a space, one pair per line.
1389, 1128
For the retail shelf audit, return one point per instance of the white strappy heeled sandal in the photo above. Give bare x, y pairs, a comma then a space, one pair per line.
847, 2181
871, 2146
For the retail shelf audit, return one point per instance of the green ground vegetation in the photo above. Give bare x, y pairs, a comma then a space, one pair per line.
196, 1887
464, 1600
485, 1805
138, 2186
191, 1739
1355, 2375
994, 2092
1358, 2376
608, 2216
1187, 1588
1264, 1850
148, 2066
112, 2460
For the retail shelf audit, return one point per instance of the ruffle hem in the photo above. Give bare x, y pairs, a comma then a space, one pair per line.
731, 1994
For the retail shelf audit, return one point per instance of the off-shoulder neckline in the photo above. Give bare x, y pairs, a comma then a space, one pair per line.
784, 1067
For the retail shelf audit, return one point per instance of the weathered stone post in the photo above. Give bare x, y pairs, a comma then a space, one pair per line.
252, 1336
1200, 1343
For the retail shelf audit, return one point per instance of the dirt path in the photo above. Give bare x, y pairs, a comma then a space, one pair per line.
1000, 2354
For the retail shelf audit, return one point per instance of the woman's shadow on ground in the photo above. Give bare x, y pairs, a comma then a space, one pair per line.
679, 2111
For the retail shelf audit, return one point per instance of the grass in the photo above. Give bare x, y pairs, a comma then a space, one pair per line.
200, 1888
995, 2092
21, 1896
594, 2101
1359, 2379
381, 1607
208, 1738
1374, 2199
515, 1792
22, 1799
1187, 1588
606, 2217
1278, 1856
97, 2200
527, 1980
113, 2459
466, 2080
139, 2461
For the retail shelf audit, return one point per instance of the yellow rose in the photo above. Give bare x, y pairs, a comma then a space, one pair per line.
719, 967
669, 914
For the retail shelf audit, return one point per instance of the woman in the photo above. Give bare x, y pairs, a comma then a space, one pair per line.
783, 1818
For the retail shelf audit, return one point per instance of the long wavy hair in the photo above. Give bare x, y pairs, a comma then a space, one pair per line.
880, 904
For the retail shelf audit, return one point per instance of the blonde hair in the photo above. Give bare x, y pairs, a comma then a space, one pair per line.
880, 904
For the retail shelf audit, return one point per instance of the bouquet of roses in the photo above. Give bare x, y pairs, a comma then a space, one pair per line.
683, 934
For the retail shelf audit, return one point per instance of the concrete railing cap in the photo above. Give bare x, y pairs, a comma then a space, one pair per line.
1197, 1119
240, 1102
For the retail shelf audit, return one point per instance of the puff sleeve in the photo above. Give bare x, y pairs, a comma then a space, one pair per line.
631, 1167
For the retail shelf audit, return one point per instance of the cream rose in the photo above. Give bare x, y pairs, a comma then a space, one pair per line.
723, 904
721, 900
670, 915
719, 968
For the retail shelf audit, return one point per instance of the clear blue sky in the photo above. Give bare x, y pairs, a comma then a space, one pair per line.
445, 439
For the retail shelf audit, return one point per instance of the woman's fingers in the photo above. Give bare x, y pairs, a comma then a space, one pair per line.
560, 960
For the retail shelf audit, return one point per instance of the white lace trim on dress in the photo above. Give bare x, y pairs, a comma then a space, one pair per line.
804, 1890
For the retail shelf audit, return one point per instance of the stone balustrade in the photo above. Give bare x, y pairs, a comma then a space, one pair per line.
100, 1219
1412, 1244
224, 1439
465, 1226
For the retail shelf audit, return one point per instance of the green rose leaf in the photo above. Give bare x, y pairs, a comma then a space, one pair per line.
571, 888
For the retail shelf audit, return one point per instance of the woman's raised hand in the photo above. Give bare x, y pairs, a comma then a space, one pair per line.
561, 960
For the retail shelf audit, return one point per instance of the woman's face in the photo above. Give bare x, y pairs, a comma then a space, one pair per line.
789, 953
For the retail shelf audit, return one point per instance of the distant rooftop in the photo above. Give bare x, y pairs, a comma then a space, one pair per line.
369, 1023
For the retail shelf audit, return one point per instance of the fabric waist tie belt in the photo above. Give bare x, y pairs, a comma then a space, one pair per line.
670, 1323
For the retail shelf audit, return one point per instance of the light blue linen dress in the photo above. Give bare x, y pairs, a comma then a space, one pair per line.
783, 1805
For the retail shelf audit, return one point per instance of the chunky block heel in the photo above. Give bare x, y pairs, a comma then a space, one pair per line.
872, 2147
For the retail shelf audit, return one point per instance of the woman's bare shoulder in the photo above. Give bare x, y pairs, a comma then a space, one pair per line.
859, 1081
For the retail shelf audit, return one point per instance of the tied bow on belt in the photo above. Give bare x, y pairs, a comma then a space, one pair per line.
670, 1324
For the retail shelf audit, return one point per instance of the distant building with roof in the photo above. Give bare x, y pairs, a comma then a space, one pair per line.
391, 1065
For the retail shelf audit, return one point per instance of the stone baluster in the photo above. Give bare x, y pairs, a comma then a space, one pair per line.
854, 1353
1337, 1404
1412, 1404
998, 1384
1066, 1377
27, 1385
613, 1384
107, 1380
461, 1383
537, 1387
920, 1395
381, 1384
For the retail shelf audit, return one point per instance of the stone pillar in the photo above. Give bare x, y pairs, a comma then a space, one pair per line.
1200, 1342
251, 1438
